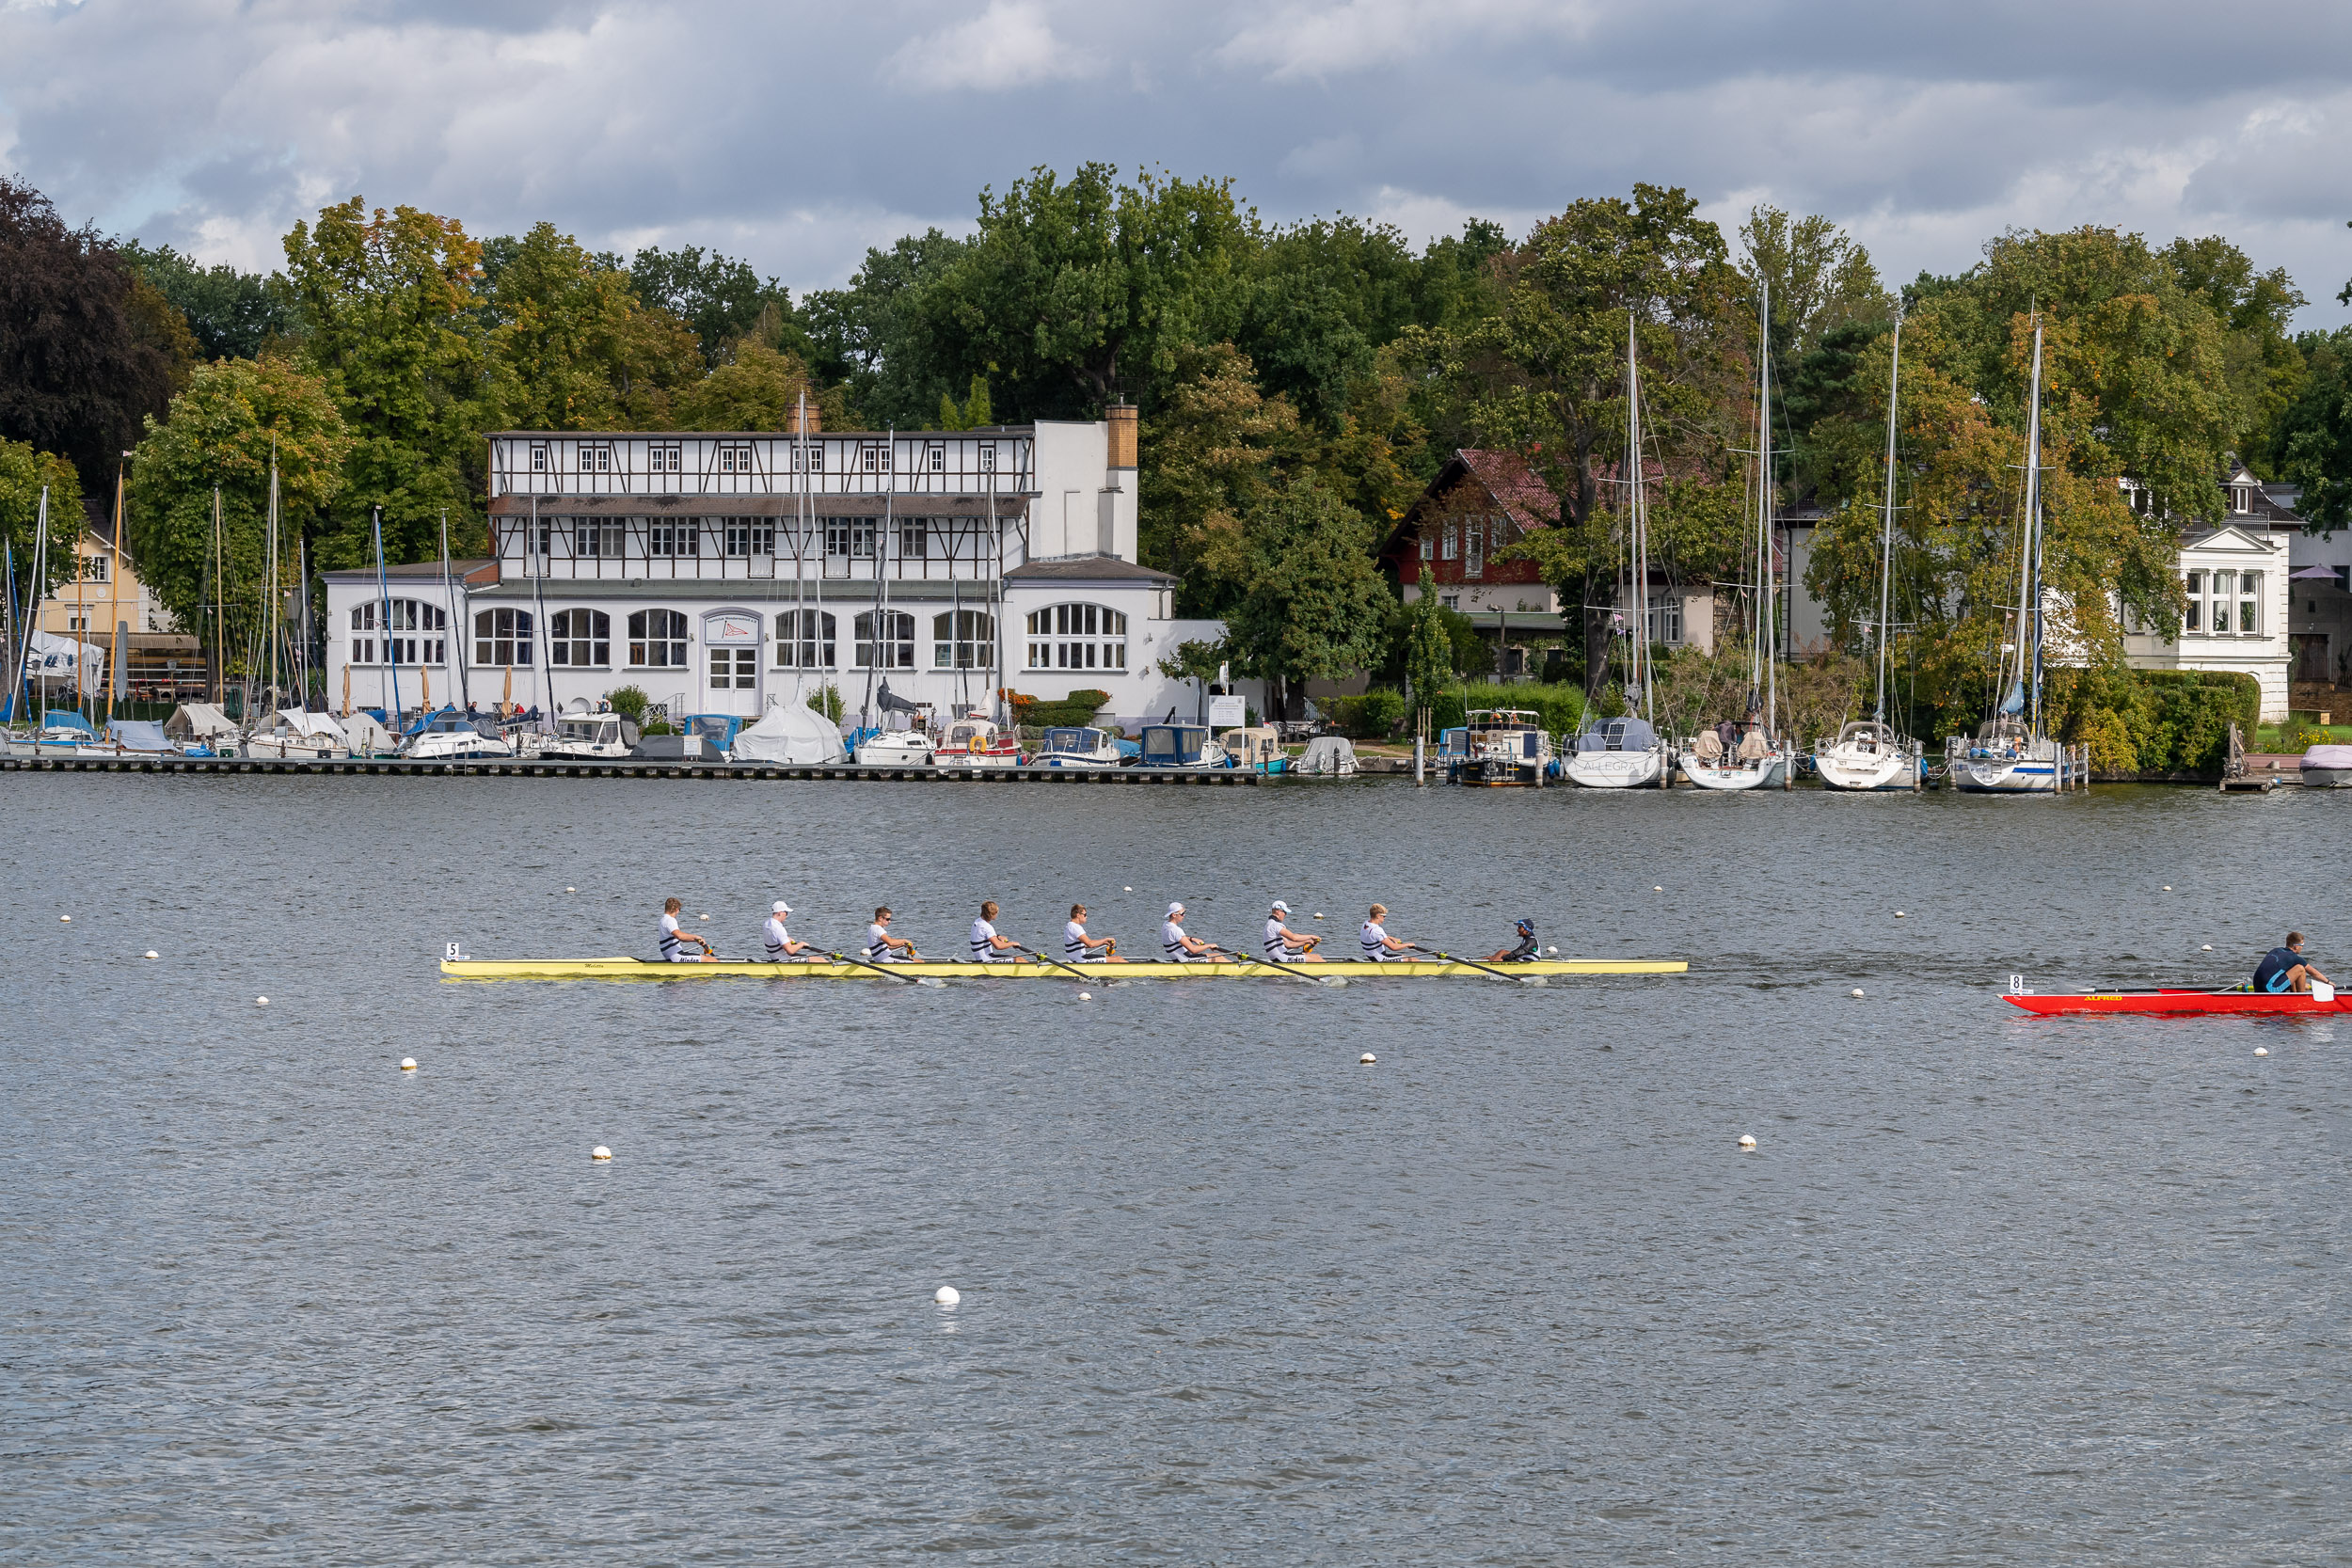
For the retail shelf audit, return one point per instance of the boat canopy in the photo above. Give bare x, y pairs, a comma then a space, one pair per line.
1073, 739
198, 721
66, 718
2328, 756
302, 721
1174, 745
1248, 748
791, 732
1328, 754
1504, 719
139, 735
1618, 735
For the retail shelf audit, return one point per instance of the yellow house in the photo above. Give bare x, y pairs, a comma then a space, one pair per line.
103, 592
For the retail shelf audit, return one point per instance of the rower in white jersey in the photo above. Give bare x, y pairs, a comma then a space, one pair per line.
1380, 947
881, 947
1284, 945
1179, 948
673, 941
987, 946
1079, 948
777, 939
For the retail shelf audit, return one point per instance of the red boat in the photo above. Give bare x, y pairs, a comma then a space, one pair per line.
2172, 1004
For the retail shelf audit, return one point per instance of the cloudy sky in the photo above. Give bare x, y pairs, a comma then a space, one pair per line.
798, 134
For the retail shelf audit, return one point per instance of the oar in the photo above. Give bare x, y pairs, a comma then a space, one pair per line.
1285, 971
1471, 964
884, 969
1056, 963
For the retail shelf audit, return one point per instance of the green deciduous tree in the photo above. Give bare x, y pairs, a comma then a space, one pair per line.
232, 314
2314, 430
759, 390
720, 298
1213, 451
23, 471
572, 347
1316, 607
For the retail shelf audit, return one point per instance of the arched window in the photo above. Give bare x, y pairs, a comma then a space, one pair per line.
963, 640
580, 639
404, 619
805, 643
502, 637
897, 642
1077, 636
657, 639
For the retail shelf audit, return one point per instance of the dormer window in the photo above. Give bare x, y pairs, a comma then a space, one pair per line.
2241, 498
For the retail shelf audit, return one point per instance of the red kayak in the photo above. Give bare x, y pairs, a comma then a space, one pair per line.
2171, 1003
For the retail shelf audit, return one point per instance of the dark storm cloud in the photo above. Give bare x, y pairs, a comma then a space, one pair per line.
799, 134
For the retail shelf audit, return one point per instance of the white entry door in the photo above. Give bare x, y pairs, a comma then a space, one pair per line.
731, 648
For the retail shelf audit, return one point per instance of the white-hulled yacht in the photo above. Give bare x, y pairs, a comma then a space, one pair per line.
450, 735
896, 749
1077, 746
1617, 754
1627, 752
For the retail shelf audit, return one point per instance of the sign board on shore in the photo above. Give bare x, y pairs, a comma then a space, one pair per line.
1227, 713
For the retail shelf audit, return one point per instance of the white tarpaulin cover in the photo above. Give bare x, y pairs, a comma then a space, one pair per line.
301, 722
369, 738
789, 731
198, 721
1327, 754
51, 657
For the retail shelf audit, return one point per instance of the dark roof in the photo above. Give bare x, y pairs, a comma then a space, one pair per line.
471, 572
1505, 478
1087, 568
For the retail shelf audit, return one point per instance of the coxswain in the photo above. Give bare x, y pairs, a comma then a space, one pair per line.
986, 944
1380, 947
777, 939
1079, 948
881, 947
2285, 968
1284, 945
673, 941
1523, 953
1179, 948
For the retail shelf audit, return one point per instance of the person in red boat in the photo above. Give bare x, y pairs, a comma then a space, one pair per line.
2285, 968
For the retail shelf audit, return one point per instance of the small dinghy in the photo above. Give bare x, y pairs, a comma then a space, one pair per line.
2327, 767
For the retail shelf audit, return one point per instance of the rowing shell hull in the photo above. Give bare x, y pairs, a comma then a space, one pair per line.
2177, 1003
645, 969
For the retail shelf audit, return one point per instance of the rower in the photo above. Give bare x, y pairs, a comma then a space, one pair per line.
777, 939
883, 949
673, 941
1179, 948
986, 944
1284, 945
1523, 953
1374, 939
2285, 968
1080, 949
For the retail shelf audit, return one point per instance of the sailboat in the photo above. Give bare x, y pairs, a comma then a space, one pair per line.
1870, 753
1626, 753
2010, 755
1744, 753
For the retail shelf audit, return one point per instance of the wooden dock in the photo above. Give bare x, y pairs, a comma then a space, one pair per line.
532, 768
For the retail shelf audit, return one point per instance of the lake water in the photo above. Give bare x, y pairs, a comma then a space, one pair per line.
1991, 1289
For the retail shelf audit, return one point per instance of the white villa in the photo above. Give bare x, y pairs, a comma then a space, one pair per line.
723, 573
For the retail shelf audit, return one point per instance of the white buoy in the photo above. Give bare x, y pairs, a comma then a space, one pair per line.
1366, 1059
947, 1295
600, 1152
261, 1001
1318, 914
1553, 950
2262, 1051
705, 917
66, 918
1899, 915
1747, 1140
571, 890
153, 954
1086, 996
1656, 889
408, 1063
1857, 991
2168, 887
1126, 889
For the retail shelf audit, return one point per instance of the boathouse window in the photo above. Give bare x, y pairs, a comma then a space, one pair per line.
963, 640
939, 459
580, 639
502, 637
592, 540
1077, 636
2249, 605
666, 456
2194, 620
2219, 618
748, 536
912, 535
674, 539
850, 538
804, 641
595, 460
897, 644
657, 639
538, 457
402, 618
734, 667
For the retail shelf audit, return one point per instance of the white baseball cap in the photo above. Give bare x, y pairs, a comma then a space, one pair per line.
1280, 904
780, 907
1175, 909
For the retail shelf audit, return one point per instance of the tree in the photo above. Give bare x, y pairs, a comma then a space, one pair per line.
978, 413
1428, 651
223, 431
2259, 360
87, 347
23, 471
390, 323
720, 298
758, 389
1213, 451
1821, 280
1320, 301
231, 314
1316, 608
876, 334
574, 349
2314, 437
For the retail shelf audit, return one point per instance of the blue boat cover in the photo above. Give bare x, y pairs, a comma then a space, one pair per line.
66, 718
1173, 745
143, 734
1618, 735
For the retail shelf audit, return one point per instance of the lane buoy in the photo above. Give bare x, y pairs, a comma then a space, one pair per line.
571, 890
947, 1295
1366, 1059
1319, 915
1899, 915
153, 954
261, 1001
2168, 887
1657, 889
2262, 1051
1857, 991
600, 1152
1553, 950
408, 1063
1747, 1140
1086, 996
66, 918
1126, 889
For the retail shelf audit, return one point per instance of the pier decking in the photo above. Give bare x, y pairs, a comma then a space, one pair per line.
526, 768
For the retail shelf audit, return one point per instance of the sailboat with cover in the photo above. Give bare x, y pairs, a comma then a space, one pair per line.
1626, 753
1870, 753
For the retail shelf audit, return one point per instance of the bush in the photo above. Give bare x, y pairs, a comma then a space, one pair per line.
1374, 716
1079, 707
630, 703
1559, 708
2172, 721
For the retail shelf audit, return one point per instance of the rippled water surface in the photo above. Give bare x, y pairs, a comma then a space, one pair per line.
1991, 1289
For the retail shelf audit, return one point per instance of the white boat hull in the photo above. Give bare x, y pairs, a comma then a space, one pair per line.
2006, 775
454, 750
1645, 769
978, 759
893, 752
1766, 773
1847, 768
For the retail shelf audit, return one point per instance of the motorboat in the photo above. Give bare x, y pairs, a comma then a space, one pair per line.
2004, 758
1869, 755
590, 737
1618, 753
296, 732
696, 738
2327, 767
450, 735
1326, 756
1256, 749
1078, 746
1502, 746
1187, 747
791, 733
975, 742
1749, 762
896, 749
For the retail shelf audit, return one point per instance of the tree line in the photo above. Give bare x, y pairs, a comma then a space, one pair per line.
1298, 384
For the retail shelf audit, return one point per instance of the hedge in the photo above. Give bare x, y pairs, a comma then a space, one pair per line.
1560, 708
2155, 720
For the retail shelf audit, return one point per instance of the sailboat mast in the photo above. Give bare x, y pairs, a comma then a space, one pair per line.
2029, 567
1637, 587
384, 600
1768, 598
220, 612
1886, 536
275, 601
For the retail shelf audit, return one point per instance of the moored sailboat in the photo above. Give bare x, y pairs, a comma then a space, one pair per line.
1626, 753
